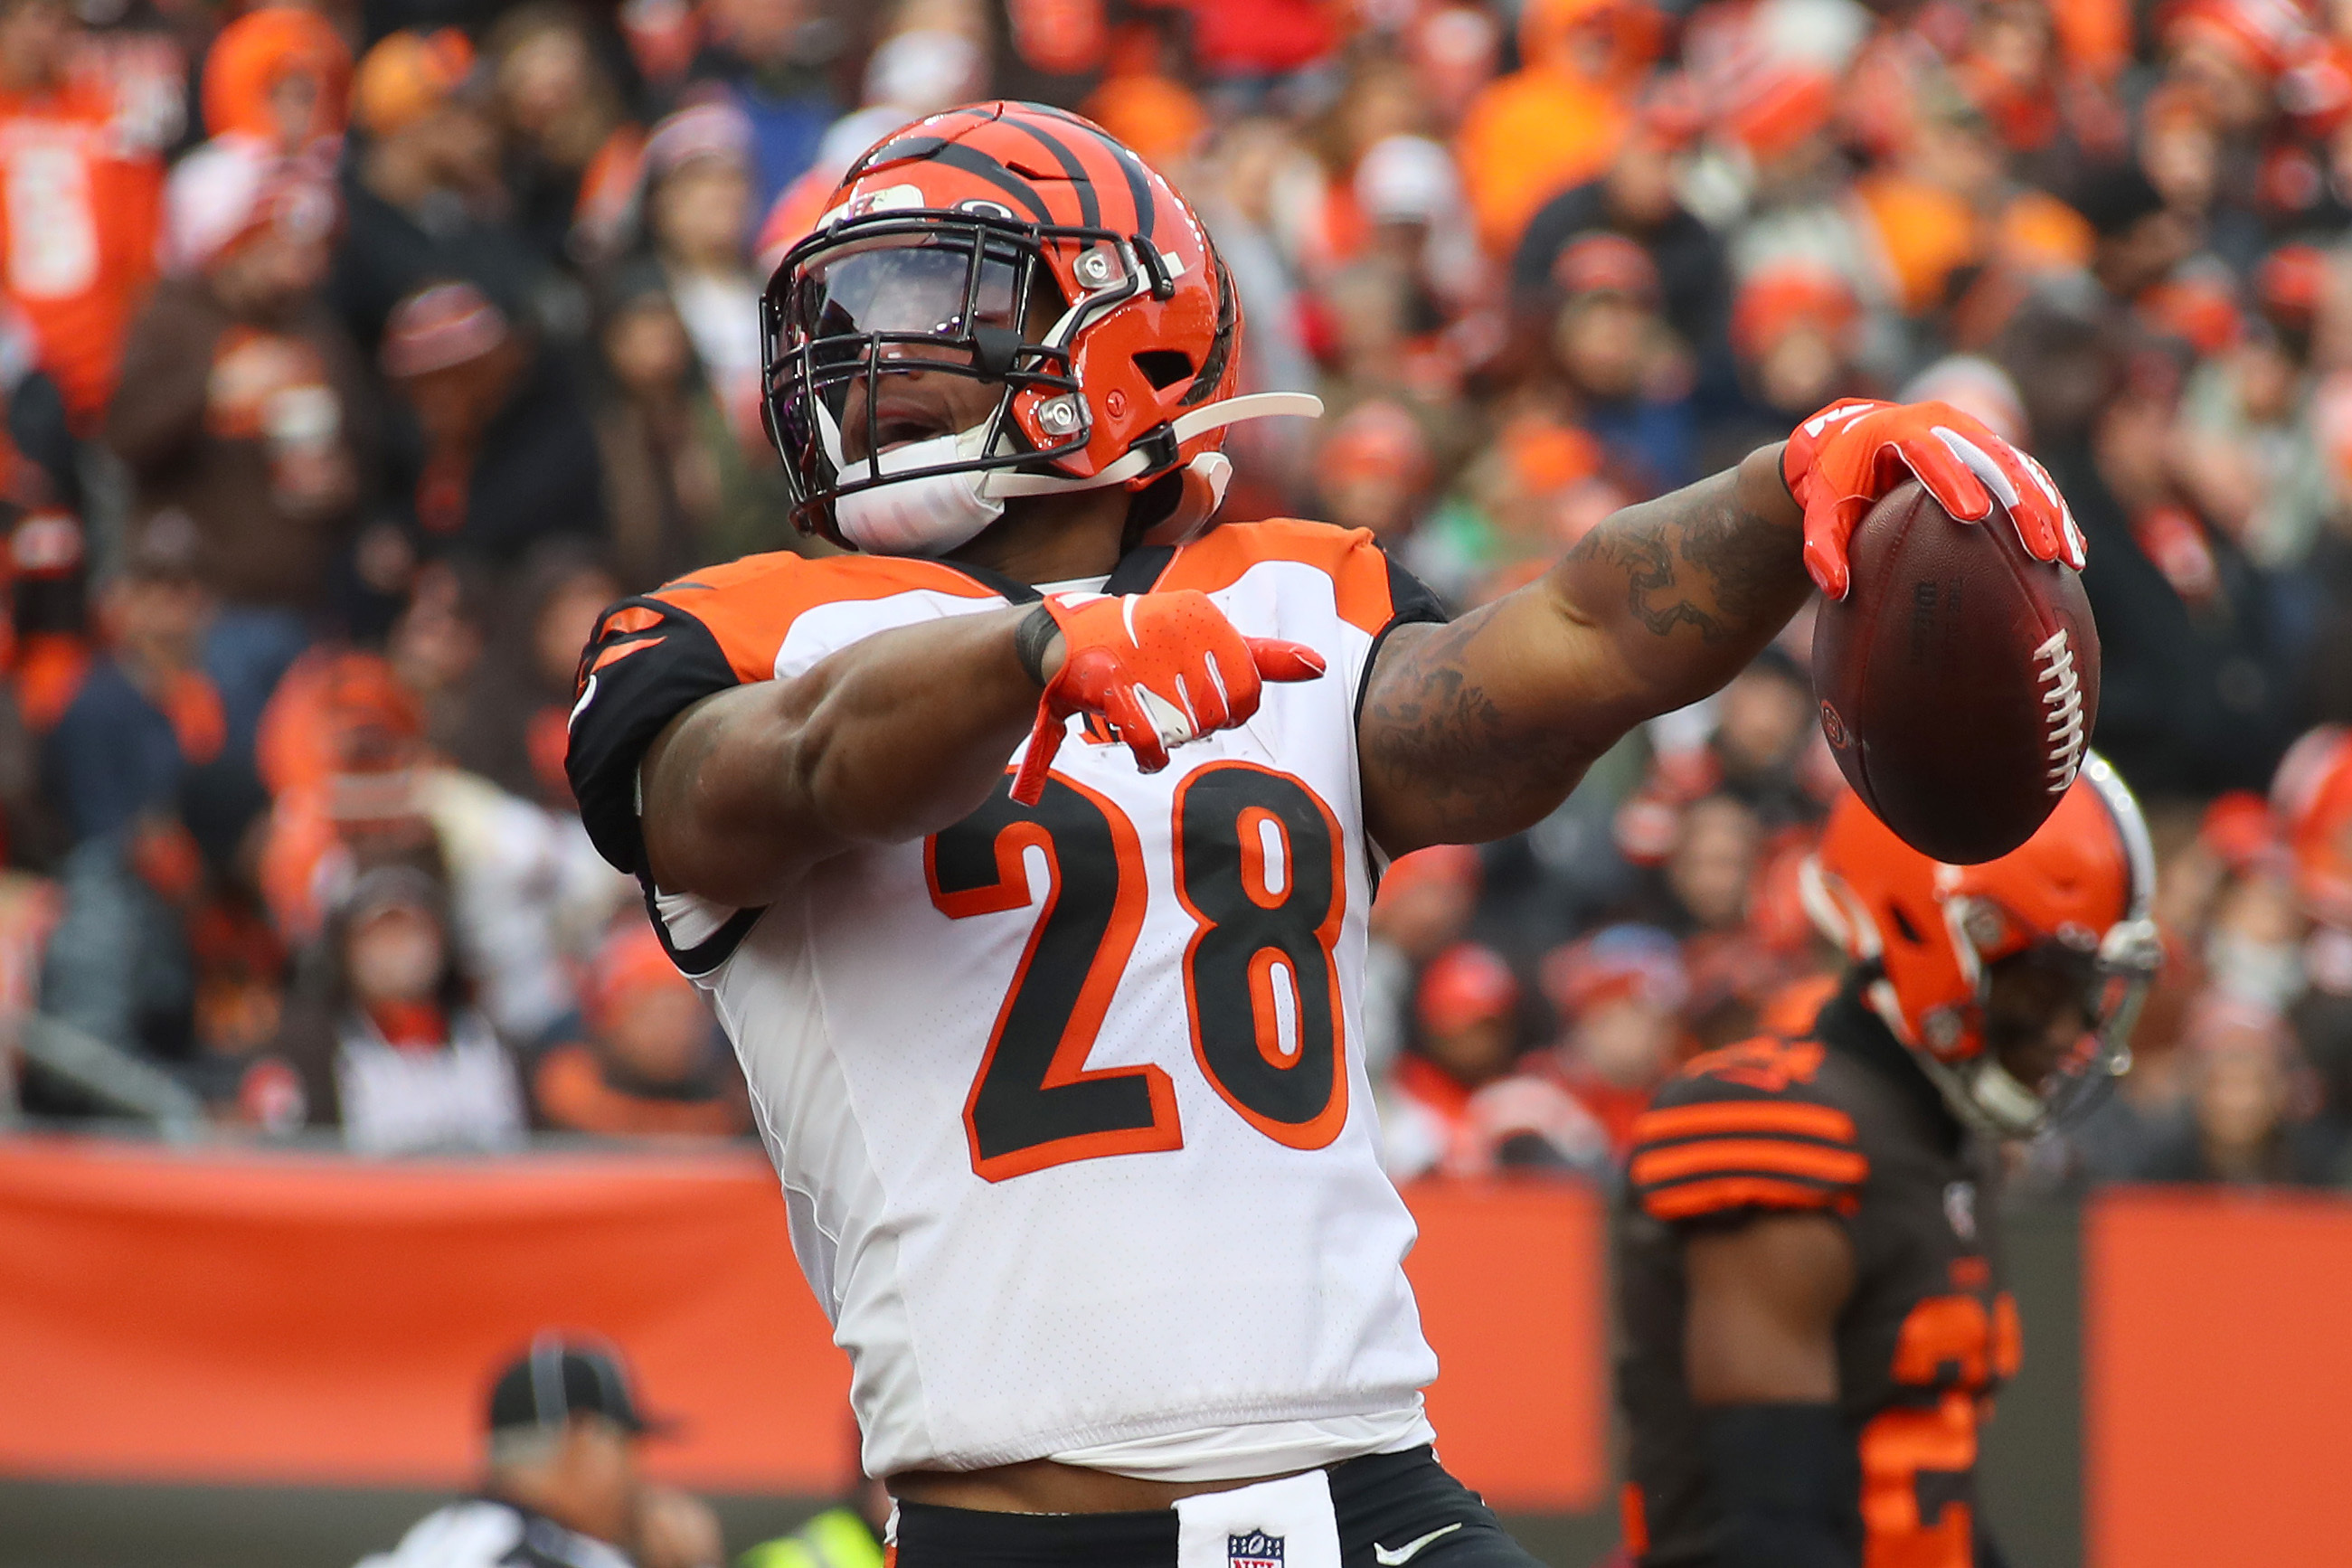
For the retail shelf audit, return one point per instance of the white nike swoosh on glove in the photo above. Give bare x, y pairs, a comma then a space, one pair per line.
1411, 1549
1175, 725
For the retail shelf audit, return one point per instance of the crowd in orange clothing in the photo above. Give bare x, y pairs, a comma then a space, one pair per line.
355, 355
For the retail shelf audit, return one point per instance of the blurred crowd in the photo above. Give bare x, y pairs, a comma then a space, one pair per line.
356, 356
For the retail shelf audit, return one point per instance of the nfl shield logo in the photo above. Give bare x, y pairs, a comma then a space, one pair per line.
1256, 1549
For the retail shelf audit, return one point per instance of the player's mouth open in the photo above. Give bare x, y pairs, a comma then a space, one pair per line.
901, 418
906, 431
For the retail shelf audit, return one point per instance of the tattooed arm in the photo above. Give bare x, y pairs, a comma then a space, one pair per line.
1480, 728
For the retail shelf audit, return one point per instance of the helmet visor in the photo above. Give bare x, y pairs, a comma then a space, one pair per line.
903, 328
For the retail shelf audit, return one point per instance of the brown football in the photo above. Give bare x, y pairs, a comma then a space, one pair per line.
1958, 679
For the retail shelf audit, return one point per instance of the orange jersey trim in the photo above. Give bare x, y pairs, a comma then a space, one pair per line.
1719, 1193
1739, 1155
1356, 566
749, 606
1744, 1116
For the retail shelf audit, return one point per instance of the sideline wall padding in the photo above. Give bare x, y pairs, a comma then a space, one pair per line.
309, 1319
2217, 1350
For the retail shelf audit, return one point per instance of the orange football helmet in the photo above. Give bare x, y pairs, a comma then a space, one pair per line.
1021, 246
2077, 893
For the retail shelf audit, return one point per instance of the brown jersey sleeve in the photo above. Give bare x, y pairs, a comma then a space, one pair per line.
1747, 1127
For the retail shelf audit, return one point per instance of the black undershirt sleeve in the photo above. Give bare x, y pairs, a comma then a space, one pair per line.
648, 662
1788, 1482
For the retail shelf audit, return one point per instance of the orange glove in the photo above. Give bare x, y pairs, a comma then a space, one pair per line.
1161, 669
1843, 460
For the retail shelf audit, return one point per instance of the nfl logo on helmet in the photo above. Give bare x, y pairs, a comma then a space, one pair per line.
1256, 1549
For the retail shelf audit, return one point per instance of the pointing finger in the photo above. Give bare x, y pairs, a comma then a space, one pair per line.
1279, 660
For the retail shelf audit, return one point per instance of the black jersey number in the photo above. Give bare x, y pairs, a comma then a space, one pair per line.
1259, 870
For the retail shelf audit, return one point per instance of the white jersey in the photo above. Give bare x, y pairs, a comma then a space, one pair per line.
1069, 1103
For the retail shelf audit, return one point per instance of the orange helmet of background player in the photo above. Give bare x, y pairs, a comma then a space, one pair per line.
2078, 891
1131, 382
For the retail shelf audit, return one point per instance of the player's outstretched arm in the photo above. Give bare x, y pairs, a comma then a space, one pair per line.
894, 737
1481, 727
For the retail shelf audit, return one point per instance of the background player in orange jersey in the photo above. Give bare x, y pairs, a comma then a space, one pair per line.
1808, 1271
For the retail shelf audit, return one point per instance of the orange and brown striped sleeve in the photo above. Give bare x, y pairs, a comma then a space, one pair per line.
1697, 1158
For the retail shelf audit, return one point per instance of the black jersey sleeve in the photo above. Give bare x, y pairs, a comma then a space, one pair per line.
648, 662
1747, 1127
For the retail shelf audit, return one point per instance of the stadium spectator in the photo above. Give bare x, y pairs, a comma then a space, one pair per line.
699, 213
2198, 698
517, 702
1425, 905
574, 158
2251, 1115
491, 447
436, 647
146, 715
774, 66
1557, 121
354, 788
684, 490
80, 222
1467, 1035
423, 193
1636, 196
1619, 994
1374, 471
654, 1064
145, 718
383, 1035
1627, 381
561, 1483
1711, 870
1458, 1104
244, 406
279, 79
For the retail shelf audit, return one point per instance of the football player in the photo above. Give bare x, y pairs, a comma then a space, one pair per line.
1808, 1278
1025, 849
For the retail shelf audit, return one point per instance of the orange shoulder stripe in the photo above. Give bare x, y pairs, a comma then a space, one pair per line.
750, 604
1692, 1199
1731, 1155
1356, 567
1715, 1118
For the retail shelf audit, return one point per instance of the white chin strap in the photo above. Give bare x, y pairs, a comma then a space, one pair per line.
929, 514
932, 513
1199, 422
920, 513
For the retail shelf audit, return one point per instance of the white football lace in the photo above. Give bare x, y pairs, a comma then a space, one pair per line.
2064, 700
